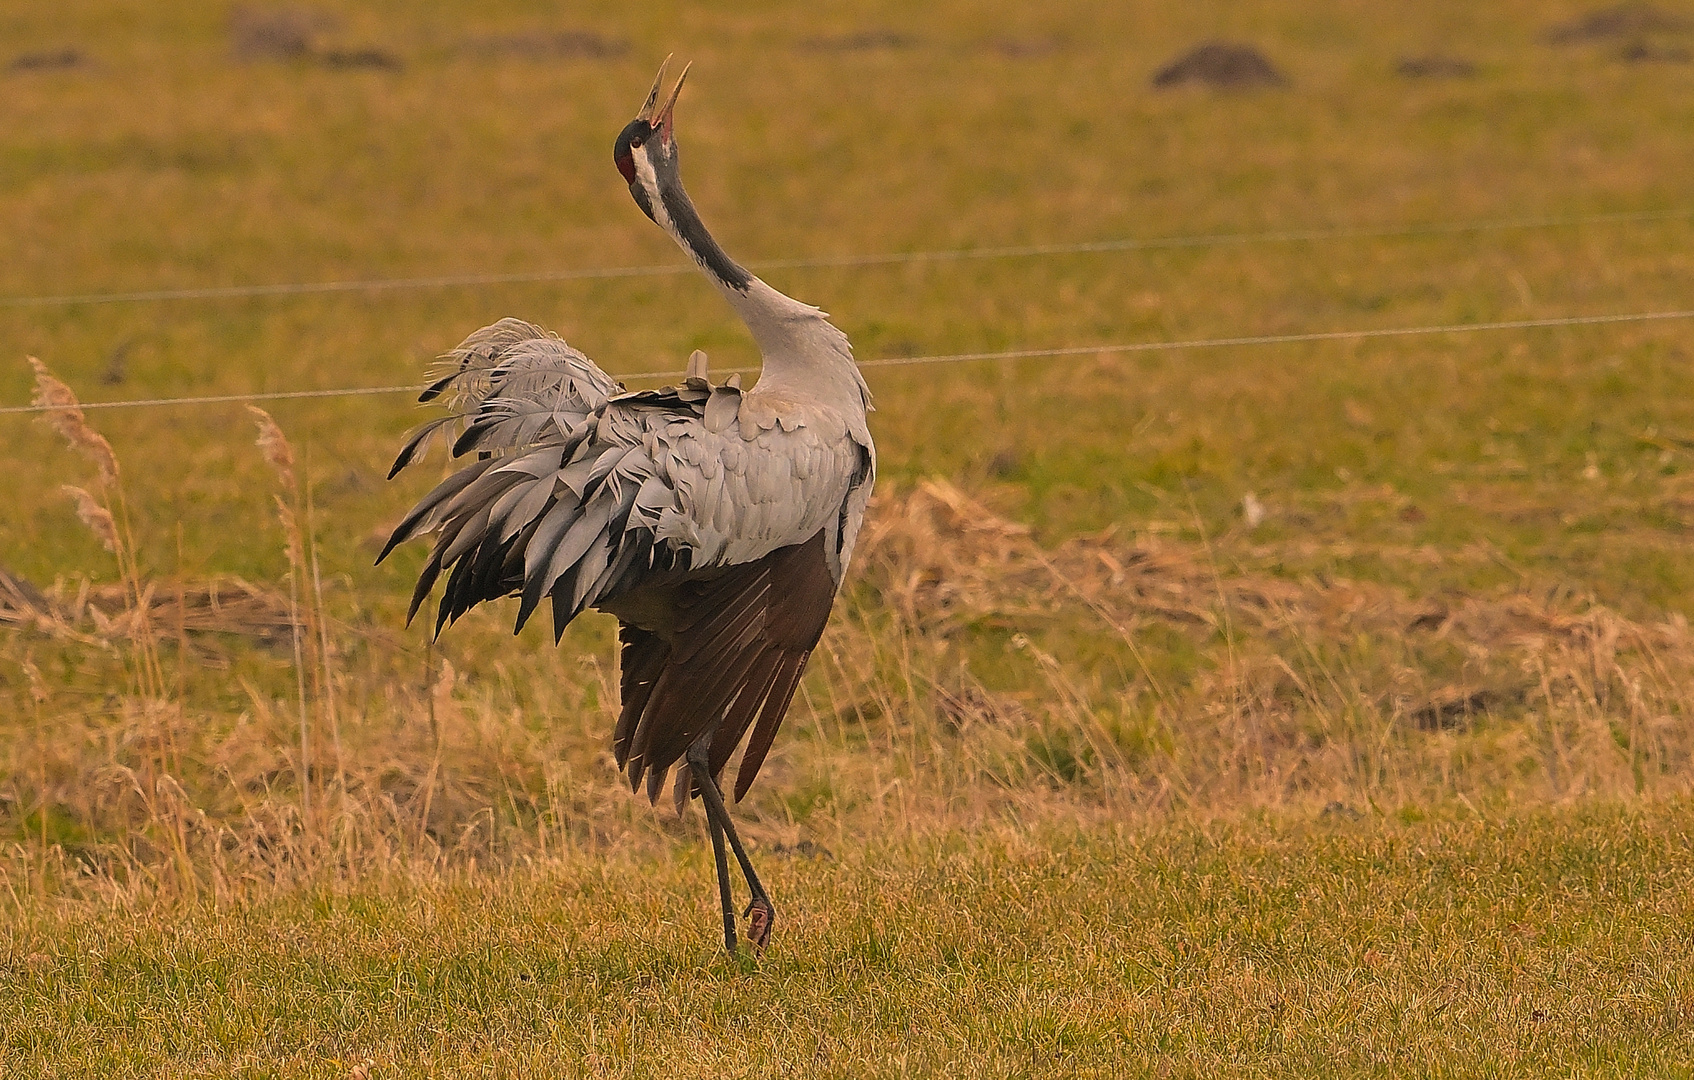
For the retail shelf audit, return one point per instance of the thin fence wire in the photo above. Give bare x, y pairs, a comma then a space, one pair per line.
955, 358
308, 288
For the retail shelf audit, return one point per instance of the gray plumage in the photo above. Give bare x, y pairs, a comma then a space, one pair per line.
715, 522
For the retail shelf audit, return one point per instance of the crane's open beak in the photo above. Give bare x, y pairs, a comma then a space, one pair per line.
660, 118
646, 112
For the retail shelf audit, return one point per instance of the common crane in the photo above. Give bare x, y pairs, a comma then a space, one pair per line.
714, 522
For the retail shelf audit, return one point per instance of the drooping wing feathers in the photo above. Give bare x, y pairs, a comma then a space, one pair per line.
714, 524
733, 654
512, 385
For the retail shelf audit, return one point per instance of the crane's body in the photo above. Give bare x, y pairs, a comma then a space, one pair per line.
714, 522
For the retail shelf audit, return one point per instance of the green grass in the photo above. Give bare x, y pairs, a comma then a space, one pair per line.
1075, 779
1549, 944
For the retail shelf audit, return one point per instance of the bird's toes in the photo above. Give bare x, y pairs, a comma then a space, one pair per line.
760, 918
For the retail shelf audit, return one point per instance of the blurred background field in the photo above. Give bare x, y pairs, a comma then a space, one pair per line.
1362, 583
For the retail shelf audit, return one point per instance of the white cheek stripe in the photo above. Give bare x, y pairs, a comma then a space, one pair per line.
650, 184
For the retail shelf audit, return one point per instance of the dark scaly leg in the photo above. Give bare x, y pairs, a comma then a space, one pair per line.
724, 896
761, 916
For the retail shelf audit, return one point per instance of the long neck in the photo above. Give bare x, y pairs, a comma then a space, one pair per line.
675, 213
801, 349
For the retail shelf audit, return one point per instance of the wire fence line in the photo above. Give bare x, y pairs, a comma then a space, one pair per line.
956, 358
307, 288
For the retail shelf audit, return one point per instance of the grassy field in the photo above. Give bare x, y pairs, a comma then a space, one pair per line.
1554, 944
1169, 687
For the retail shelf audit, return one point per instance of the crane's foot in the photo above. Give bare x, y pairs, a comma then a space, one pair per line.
761, 917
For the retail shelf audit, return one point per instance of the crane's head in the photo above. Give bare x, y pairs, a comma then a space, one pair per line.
645, 152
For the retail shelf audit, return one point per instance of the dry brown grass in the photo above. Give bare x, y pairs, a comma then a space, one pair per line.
964, 681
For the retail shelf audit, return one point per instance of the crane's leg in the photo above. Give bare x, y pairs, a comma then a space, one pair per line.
724, 896
761, 916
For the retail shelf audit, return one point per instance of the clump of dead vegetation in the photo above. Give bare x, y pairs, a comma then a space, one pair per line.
221, 736
1299, 686
107, 615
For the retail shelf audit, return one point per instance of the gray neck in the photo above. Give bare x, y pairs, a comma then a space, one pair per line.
662, 196
803, 353
683, 222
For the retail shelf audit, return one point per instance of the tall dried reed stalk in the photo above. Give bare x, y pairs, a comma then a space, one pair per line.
309, 621
107, 517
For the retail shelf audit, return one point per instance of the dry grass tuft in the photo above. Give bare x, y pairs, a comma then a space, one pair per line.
273, 444
1305, 688
65, 415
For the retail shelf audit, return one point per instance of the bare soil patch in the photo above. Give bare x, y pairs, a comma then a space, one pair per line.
1025, 48
547, 45
276, 33
1622, 21
861, 41
294, 34
1221, 64
1434, 66
48, 60
1642, 52
370, 59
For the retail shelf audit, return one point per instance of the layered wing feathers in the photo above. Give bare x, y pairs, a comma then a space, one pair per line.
713, 523
509, 386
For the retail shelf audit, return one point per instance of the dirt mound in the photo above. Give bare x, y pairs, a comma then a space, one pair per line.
548, 45
1025, 48
292, 34
371, 59
48, 60
863, 41
275, 33
1222, 64
1622, 21
1434, 66
1641, 52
